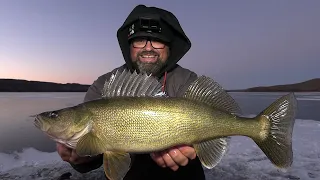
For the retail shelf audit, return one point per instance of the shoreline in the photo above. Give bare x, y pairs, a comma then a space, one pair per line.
17, 85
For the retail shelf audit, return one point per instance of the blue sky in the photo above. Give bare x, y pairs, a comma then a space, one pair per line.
238, 43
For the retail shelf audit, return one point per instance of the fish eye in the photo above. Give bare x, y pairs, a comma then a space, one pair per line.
53, 114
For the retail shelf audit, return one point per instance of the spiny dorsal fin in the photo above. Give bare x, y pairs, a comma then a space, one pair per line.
206, 90
130, 84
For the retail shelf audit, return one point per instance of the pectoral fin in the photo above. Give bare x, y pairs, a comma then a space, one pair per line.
211, 152
116, 164
90, 145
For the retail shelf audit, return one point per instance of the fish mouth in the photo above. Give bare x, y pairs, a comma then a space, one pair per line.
37, 122
71, 144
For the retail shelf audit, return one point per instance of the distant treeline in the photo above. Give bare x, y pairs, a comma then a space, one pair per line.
312, 85
13, 85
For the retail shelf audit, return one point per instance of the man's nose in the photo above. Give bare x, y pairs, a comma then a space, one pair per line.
148, 46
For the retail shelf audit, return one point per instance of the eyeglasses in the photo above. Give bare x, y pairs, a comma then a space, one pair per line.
141, 43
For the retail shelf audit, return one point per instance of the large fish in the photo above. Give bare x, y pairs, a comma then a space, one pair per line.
133, 116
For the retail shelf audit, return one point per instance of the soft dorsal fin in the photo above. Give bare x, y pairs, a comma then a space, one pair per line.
206, 90
130, 84
210, 92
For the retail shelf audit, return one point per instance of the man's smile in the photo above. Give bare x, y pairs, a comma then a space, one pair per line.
148, 58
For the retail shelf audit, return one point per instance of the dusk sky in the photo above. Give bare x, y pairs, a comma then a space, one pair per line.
240, 44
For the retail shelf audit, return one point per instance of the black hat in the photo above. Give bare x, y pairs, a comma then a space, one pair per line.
150, 27
157, 23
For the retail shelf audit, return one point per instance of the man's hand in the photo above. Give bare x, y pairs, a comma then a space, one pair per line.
174, 157
70, 155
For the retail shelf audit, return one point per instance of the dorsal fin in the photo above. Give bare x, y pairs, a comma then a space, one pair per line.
206, 90
128, 84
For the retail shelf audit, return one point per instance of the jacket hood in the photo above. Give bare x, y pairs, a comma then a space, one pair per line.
179, 42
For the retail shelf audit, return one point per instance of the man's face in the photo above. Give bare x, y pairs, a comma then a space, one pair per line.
148, 56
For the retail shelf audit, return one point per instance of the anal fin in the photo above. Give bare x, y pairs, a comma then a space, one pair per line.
211, 152
116, 164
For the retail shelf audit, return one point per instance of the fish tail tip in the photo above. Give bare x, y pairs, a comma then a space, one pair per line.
277, 144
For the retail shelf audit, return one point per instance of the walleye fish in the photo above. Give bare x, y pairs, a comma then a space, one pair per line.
134, 116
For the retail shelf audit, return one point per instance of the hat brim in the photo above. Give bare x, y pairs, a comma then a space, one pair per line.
142, 34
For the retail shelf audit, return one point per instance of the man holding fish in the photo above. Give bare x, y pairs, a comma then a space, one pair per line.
153, 119
152, 49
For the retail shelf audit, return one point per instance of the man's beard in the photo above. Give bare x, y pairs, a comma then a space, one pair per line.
149, 68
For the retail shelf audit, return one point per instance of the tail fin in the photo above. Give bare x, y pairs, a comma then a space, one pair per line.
278, 142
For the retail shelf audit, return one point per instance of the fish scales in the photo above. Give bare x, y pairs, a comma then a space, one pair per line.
134, 125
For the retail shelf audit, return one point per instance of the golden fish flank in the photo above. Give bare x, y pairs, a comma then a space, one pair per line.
134, 116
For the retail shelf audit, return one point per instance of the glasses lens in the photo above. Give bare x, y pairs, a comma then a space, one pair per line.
157, 44
141, 43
